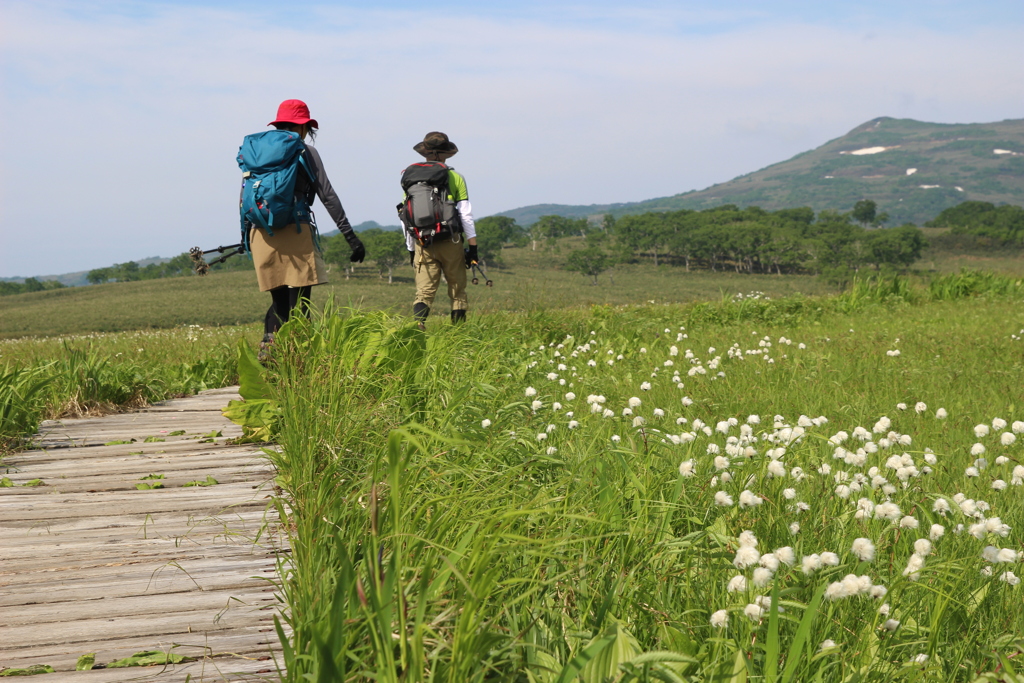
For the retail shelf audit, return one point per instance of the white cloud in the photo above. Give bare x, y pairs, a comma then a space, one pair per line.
135, 121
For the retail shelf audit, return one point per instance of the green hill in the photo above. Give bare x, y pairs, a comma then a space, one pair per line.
911, 169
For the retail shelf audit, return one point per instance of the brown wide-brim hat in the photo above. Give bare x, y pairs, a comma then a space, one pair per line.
436, 143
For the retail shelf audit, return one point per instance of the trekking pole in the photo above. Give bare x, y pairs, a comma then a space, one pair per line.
199, 263
478, 268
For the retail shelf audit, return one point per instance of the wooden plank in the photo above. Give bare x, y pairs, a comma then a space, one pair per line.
91, 564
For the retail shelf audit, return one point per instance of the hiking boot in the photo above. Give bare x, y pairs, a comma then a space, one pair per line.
265, 348
420, 311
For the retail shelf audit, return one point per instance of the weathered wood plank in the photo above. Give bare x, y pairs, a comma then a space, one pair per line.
90, 564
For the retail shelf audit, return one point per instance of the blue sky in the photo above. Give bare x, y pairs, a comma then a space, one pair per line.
123, 118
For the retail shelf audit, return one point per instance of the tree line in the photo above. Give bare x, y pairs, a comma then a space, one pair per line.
30, 284
834, 244
1003, 225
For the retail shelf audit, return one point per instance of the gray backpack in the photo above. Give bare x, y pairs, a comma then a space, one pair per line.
428, 214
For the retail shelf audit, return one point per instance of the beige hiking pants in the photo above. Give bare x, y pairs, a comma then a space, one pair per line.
442, 257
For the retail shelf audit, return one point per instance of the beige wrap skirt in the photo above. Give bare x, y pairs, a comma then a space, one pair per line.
286, 259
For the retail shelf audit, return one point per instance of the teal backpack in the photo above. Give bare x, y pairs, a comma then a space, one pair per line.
271, 163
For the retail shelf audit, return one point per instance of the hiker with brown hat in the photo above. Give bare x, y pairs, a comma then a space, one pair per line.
438, 220
282, 170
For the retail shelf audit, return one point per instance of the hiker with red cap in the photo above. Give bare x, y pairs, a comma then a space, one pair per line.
438, 221
282, 174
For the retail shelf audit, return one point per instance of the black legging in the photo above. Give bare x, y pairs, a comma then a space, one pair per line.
285, 299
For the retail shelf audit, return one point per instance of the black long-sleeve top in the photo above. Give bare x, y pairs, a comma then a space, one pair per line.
329, 198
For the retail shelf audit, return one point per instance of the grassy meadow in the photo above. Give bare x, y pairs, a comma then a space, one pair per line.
529, 280
777, 487
795, 490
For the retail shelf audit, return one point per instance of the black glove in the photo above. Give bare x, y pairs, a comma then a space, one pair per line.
358, 250
471, 255
412, 257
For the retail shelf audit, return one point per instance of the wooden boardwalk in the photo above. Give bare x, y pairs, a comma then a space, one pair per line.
89, 563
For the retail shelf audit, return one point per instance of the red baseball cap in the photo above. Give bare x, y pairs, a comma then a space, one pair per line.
294, 111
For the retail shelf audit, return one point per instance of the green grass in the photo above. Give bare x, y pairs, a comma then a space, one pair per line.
430, 545
531, 280
99, 373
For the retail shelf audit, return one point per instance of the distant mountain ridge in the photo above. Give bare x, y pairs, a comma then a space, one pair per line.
911, 169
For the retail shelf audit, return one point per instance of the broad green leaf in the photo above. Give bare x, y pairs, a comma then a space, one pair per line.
33, 670
148, 658
252, 383
85, 662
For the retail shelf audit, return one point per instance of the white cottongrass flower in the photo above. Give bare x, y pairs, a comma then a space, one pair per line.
941, 506
687, 401
810, 563
542, 436
626, 412
616, 438
789, 494
720, 619
914, 566
686, 468
749, 499
998, 485
941, 414
746, 556
981, 430
754, 612
922, 546
1007, 555
878, 592
908, 522
889, 511
639, 421
977, 449
785, 555
552, 450
530, 391
827, 644
893, 353
937, 531
776, 469
1007, 438
971, 471
645, 386
920, 407
747, 539
1018, 475
829, 559
486, 423
901, 406
723, 499
794, 528
658, 412
891, 625
762, 576
770, 562
570, 396
608, 412
1017, 427
634, 402
737, 584
573, 424
864, 549
556, 406
536, 405
552, 376
551, 428
920, 659
998, 423
1010, 578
